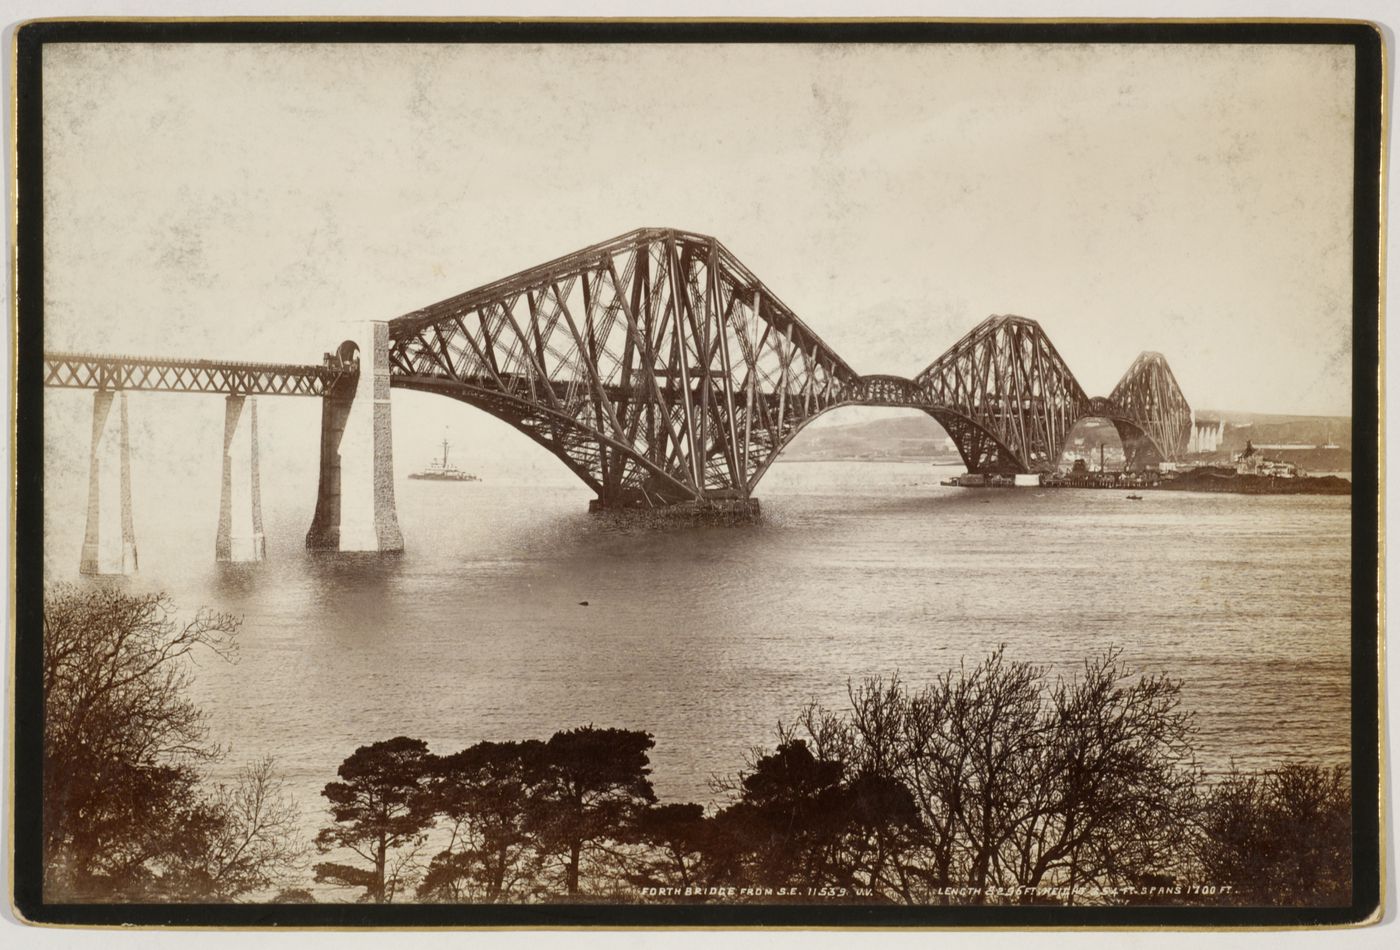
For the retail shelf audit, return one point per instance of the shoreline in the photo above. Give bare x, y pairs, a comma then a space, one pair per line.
915, 460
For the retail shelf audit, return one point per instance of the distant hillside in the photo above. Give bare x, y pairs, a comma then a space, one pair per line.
920, 437
903, 437
1277, 429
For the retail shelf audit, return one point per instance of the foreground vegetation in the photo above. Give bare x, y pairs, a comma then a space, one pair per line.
996, 783
126, 813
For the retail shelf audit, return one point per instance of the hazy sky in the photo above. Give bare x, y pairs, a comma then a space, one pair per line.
249, 202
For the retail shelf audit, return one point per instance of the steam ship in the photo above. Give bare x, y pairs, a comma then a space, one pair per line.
440, 470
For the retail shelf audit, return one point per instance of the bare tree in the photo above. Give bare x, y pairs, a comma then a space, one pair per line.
254, 843
993, 722
886, 844
1016, 784
1113, 781
1280, 836
121, 737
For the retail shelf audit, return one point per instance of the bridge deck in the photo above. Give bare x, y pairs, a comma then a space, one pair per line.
657, 366
160, 374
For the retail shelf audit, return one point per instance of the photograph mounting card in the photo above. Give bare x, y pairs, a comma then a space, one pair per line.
891, 474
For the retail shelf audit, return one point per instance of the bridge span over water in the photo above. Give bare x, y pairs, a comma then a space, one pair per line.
656, 366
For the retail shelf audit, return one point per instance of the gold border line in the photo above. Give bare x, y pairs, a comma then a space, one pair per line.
1383, 187
11, 655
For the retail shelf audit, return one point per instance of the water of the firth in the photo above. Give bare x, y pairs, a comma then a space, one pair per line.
707, 637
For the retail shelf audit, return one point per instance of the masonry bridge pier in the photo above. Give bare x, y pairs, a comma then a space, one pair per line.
109, 536
656, 366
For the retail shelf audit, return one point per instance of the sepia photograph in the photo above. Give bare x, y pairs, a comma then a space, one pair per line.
697, 473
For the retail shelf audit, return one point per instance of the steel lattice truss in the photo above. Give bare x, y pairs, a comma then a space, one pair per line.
155, 374
1150, 412
1004, 396
655, 365
661, 370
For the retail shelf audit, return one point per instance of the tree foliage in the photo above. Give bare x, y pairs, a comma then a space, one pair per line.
993, 782
592, 785
484, 793
992, 779
522, 816
784, 829
1282, 836
381, 812
675, 840
125, 816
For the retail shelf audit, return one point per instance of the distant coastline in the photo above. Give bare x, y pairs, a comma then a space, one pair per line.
902, 459
1315, 444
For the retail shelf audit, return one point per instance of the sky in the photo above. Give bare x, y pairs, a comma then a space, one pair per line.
257, 202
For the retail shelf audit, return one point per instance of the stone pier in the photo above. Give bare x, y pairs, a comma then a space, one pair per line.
240, 535
355, 499
109, 542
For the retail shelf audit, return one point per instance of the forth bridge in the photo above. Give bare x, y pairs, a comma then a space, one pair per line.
656, 366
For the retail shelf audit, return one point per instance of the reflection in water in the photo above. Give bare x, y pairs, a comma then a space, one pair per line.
708, 635
234, 582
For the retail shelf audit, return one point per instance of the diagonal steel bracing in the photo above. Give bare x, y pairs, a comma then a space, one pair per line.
658, 367
164, 374
1004, 396
1151, 414
661, 370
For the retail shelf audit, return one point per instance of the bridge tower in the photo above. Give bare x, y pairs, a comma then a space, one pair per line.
109, 540
355, 498
240, 534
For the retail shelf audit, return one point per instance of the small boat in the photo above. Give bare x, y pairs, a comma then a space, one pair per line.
439, 470
1135, 498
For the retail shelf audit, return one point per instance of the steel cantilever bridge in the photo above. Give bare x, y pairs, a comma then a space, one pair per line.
661, 370
655, 365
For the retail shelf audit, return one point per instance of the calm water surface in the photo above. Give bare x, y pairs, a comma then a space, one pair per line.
708, 636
